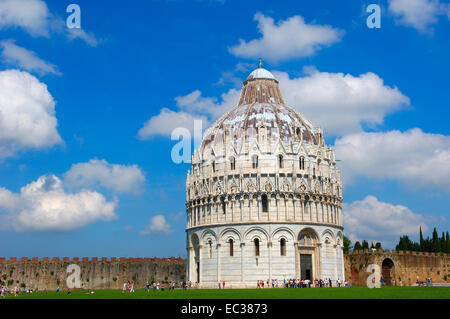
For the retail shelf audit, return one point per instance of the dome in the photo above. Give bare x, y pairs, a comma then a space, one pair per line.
260, 73
261, 107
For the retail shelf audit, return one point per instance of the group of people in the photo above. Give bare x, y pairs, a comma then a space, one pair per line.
302, 283
128, 286
15, 290
156, 286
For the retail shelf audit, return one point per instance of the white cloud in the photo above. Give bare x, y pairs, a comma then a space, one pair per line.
289, 39
166, 121
86, 36
373, 220
158, 225
416, 158
339, 102
192, 106
419, 14
119, 178
31, 15
43, 205
25, 59
27, 114
34, 17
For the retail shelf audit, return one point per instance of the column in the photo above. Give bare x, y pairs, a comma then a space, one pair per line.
258, 209
294, 201
241, 208
302, 207
218, 261
297, 261
216, 210
200, 261
242, 263
269, 246
190, 263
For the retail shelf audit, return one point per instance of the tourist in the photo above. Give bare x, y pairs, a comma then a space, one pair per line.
223, 284
57, 288
124, 288
399, 281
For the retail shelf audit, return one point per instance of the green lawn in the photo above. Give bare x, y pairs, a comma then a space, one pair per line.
268, 293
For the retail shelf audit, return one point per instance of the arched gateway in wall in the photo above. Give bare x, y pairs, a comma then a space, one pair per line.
263, 196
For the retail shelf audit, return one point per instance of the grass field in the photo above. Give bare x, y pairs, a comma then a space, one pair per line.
281, 293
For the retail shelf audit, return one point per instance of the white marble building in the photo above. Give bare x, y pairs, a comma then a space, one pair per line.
263, 197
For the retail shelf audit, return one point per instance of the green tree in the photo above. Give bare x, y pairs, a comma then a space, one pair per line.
447, 240
347, 244
406, 244
422, 248
378, 246
443, 243
365, 244
357, 246
435, 241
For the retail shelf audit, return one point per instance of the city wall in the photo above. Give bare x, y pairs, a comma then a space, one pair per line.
394, 264
110, 273
95, 273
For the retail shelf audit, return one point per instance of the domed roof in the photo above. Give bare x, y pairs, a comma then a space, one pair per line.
261, 106
260, 73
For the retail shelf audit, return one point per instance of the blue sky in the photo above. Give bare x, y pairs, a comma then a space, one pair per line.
108, 144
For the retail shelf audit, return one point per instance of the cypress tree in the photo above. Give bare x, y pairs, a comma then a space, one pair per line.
365, 244
447, 240
435, 241
357, 246
422, 248
443, 243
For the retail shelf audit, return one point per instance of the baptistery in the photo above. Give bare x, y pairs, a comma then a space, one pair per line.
263, 195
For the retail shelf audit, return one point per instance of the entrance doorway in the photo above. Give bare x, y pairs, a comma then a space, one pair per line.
386, 271
306, 266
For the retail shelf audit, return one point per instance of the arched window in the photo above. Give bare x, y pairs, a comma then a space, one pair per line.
209, 248
283, 247
264, 203
318, 164
280, 161
298, 132
213, 166
302, 162
255, 161
230, 242
256, 241
232, 163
